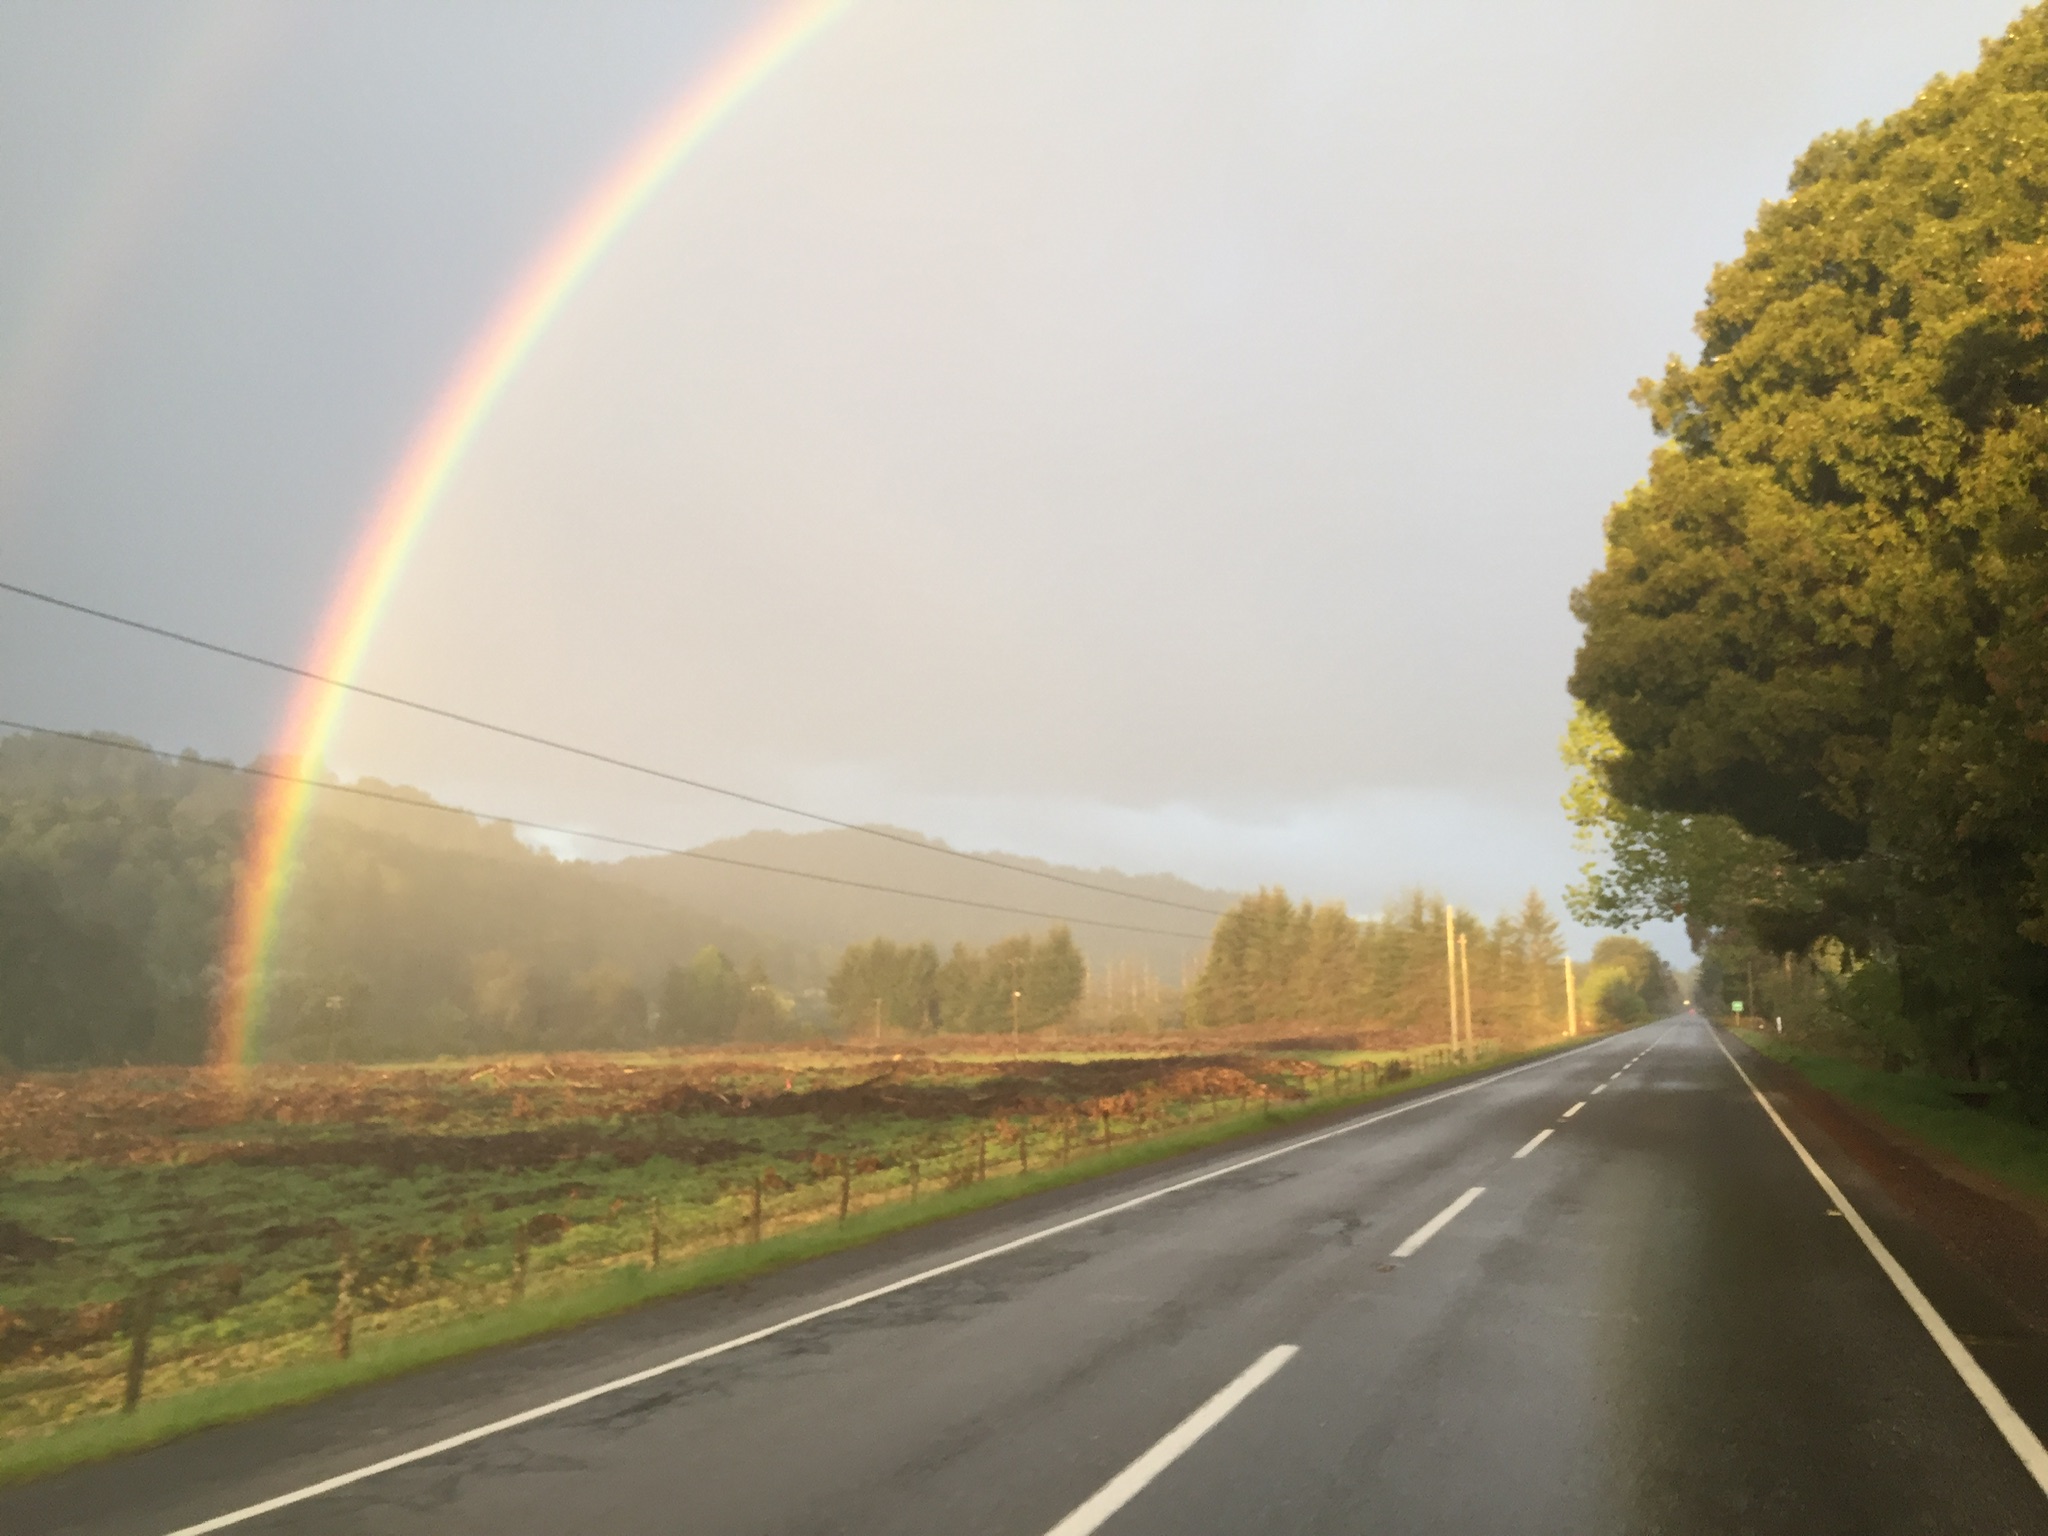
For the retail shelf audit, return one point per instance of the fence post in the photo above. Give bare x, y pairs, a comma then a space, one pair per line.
1108, 1135
980, 1156
1066, 1141
344, 1298
141, 1320
845, 1183
915, 1173
519, 1247
653, 1234
1023, 1151
755, 1219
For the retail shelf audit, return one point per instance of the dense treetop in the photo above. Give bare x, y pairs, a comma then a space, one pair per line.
1820, 637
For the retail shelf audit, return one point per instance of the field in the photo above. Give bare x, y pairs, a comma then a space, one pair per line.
168, 1231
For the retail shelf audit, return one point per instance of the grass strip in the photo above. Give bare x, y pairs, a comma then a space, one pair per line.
1994, 1140
378, 1359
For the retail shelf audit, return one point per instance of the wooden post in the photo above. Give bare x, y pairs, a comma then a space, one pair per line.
754, 1219
1465, 981
1023, 1151
1108, 1135
653, 1234
914, 1174
1571, 1000
345, 1301
1066, 1140
141, 1320
845, 1184
1451, 967
519, 1248
981, 1157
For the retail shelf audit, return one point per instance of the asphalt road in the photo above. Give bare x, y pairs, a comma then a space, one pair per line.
1650, 1321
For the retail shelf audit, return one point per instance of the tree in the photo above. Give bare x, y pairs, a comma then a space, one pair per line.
701, 1001
72, 992
1820, 620
974, 987
901, 980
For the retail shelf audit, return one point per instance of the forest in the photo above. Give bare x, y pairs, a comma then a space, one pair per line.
1276, 961
1814, 675
411, 932
1017, 984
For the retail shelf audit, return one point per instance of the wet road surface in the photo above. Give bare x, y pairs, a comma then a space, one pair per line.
1428, 1317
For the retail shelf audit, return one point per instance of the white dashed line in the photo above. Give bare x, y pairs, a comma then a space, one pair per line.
1126, 1485
1534, 1142
1438, 1222
1573, 1110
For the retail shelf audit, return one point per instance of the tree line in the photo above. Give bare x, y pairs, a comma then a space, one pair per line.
1020, 983
409, 932
1814, 676
1275, 961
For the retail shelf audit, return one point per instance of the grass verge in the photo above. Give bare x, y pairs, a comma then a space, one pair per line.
1993, 1140
167, 1418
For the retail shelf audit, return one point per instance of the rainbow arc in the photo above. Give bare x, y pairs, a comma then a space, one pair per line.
435, 453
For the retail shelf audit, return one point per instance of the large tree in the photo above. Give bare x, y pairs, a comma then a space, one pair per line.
1821, 618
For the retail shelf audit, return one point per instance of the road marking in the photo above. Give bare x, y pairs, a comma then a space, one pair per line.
652, 1372
2024, 1442
1438, 1222
1125, 1486
1534, 1142
1573, 1110
1598, 1088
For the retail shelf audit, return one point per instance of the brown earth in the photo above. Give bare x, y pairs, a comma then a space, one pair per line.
534, 1111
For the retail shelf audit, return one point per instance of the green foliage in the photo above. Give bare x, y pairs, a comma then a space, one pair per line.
1019, 982
1629, 983
700, 1002
1271, 961
1821, 615
893, 984
409, 932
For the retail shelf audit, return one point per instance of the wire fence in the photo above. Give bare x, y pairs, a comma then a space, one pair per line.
182, 1329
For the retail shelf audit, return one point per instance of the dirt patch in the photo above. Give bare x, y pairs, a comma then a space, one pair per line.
403, 1153
18, 1245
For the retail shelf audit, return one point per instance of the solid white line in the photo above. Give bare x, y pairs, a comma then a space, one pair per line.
1121, 1489
1534, 1142
1573, 1110
1438, 1222
619, 1384
2024, 1442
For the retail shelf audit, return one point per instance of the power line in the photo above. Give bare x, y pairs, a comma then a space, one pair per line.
589, 754
635, 844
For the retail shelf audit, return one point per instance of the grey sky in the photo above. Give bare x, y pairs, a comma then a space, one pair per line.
1160, 435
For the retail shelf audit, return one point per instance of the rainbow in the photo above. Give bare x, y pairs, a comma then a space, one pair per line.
431, 459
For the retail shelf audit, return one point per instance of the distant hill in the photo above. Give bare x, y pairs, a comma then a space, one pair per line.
410, 930
827, 917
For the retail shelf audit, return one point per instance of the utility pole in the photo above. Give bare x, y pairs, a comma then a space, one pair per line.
1571, 1000
1016, 1010
1465, 972
1451, 966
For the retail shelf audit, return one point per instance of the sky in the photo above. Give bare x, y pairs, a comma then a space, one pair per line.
1146, 435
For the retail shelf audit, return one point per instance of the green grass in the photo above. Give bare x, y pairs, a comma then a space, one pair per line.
1994, 1140
619, 1289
